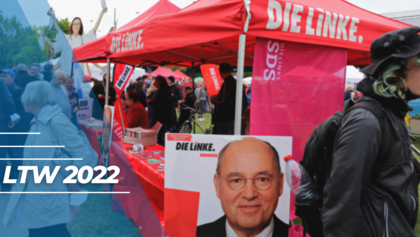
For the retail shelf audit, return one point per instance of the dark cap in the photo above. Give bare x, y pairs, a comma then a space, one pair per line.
171, 78
403, 43
225, 67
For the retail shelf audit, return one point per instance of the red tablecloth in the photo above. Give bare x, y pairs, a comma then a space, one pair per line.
151, 180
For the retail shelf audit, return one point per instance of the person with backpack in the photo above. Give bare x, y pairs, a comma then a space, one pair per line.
371, 185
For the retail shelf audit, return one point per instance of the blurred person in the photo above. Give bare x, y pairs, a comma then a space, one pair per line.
8, 120
373, 185
187, 83
201, 94
33, 75
347, 93
98, 95
94, 80
249, 183
224, 101
136, 113
70, 90
176, 96
139, 88
45, 214
163, 108
21, 69
61, 99
188, 101
131, 85
146, 80
22, 125
150, 109
48, 71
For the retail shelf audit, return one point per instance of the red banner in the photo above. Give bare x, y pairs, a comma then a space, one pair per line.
295, 87
122, 74
212, 78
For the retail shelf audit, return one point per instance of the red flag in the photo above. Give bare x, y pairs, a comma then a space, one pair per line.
122, 74
212, 78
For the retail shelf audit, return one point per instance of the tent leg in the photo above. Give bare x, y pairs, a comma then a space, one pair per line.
239, 84
108, 74
193, 76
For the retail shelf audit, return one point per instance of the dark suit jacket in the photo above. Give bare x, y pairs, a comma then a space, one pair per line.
218, 228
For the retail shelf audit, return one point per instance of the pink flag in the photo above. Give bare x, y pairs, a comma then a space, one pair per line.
295, 88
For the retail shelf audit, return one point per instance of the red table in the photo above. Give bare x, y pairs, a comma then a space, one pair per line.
152, 181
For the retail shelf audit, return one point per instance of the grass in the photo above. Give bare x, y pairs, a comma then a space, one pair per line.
97, 219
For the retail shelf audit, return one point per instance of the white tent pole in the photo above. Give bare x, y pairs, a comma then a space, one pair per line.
239, 84
240, 71
108, 74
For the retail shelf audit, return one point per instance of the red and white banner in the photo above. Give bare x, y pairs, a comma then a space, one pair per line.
122, 74
295, 87
212, 78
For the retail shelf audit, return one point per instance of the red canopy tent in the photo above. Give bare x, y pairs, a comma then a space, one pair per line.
165, 72
96, 48
197, 34
183, 76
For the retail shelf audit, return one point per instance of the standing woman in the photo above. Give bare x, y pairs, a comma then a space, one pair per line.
151, 113
42, 213
66, 43
164, 108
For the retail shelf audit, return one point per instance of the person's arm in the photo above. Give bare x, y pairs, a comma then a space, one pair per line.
356, 147
95, 28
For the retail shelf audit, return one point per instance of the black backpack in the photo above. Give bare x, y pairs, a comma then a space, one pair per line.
317, 160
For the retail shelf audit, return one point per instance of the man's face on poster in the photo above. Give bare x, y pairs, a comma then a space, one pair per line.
248, 207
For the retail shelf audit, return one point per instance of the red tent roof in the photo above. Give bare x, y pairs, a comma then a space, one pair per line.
177, 71
207, 31
165, 72
96, 48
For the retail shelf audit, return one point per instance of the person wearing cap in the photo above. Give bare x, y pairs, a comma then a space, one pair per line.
176, 96
370, 194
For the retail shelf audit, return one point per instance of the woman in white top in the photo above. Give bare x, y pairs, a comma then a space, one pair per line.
75, 39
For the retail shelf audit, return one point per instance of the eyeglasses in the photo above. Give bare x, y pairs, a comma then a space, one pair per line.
261, 182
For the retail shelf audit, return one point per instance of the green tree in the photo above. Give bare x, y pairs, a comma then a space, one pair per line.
64, 25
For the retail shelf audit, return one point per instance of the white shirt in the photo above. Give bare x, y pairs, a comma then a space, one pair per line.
267, 232
66, 43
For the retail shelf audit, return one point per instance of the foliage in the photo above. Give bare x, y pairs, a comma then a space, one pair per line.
18, 44
64, 25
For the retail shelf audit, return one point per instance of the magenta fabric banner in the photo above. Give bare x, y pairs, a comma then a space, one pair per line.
295, 87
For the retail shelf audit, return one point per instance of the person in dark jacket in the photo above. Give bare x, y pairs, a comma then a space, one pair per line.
48, 71
98, 95
189, 101
368, 195
163, 108
22, 80
23, 126
8, 118
139, 88
150, 109
176, 96
224, 101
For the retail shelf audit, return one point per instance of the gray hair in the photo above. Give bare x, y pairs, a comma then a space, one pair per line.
38, 94
36, 65
21, 67
276, 157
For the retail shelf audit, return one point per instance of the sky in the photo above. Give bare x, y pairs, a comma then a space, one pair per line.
126, 10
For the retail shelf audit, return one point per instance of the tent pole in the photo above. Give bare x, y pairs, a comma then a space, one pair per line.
193, 77
239, 84
108, 74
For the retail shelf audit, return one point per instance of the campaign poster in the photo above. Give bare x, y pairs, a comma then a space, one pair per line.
212, 181
85, 108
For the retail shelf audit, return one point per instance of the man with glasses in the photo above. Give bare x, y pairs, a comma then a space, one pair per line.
248, 182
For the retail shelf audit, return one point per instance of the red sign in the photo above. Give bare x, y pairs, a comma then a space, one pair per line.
122, 74
212, 78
